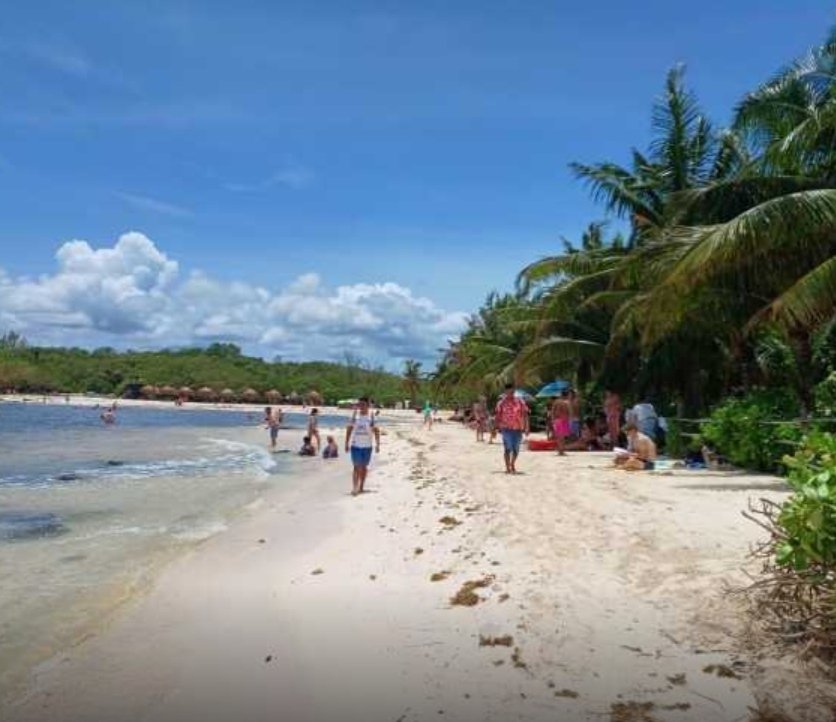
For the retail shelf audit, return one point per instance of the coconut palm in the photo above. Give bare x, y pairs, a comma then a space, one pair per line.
412, 379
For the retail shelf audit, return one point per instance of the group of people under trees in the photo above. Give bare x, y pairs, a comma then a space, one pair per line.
361, 436
511, 419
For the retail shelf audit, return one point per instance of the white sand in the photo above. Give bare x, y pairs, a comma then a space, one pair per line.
615, 584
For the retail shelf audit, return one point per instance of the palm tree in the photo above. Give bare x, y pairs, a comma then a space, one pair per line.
412, 379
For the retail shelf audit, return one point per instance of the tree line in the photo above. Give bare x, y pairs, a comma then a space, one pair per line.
722, 279
34, 369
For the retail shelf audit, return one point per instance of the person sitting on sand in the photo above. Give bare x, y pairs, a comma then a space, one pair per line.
588, 439
307, 447
642, 454
330, 451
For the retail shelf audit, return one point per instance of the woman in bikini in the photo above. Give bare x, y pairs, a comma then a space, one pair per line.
313, 428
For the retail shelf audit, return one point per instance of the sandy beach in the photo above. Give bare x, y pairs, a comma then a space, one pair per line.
600, 594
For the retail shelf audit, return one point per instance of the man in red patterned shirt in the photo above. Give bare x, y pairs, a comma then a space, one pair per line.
512, 422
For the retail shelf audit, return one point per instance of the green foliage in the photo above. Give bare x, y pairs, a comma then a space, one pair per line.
808, 518
676, 443
825, 395
106, 371
748, 430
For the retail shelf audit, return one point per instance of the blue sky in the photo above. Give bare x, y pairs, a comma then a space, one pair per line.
319, 164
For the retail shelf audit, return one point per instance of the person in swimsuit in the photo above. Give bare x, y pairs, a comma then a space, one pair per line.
307, 447
612, 408
642, 455
575, 413
360, 435
330, 451
313, 427
271, 423
561, 410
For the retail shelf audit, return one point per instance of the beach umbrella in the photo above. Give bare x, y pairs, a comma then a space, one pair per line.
167, 391
250, 395
227, 394
294, 397
206, 393
149, 391
273, 396
185, 391
555, 388
314, 398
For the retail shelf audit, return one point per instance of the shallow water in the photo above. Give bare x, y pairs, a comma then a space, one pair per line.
87, 511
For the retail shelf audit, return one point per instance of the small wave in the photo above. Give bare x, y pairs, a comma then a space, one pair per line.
17, 525
199, 533
240, 458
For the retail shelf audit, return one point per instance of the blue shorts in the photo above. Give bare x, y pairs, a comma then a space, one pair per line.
274, 432
360, 455
511, 439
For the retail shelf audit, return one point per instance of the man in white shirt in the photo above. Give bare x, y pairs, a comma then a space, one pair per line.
360, 434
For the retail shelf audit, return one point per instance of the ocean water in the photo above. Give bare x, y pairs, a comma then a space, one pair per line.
88, 511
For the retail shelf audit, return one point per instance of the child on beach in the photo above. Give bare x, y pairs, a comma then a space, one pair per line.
272, 421
330, 451
307, 447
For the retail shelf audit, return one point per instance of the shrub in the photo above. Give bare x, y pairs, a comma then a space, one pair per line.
825, 394
744, 430
797, 595
808, 518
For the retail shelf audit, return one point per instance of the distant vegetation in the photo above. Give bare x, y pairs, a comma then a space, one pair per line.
219, 367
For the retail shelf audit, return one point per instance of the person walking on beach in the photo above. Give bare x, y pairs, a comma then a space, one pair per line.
428, 415
512, 422
313, 427
561, 424
480, 418
360, 434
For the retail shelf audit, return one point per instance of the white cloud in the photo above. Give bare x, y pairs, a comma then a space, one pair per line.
133, 295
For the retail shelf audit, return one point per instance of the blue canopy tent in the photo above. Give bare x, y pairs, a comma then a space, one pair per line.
555, 388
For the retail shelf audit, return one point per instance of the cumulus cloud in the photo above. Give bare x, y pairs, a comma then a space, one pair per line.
132, 294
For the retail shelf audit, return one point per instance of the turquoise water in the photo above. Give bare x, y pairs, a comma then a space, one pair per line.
88, 510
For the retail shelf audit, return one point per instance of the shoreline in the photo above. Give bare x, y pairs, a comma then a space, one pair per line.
84, 400
609, 584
